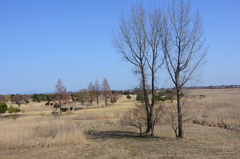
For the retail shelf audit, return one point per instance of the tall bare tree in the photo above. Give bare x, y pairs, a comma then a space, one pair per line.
97, 89
106, 90
183, 46
60, 94
92, 92
138, 38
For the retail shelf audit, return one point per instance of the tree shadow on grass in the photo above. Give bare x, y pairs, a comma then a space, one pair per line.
92, 134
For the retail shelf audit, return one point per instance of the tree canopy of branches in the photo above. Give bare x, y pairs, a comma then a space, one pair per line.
60, 94
136, 117
97, 89
183, 46
106, 90
4, 98
19, 99
138, 39
92, 92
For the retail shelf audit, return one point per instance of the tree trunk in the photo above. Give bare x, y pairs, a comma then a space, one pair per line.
60, 106
97, 98
149, 121
180, 128
140, 131
105, 101
152, 134
152, 104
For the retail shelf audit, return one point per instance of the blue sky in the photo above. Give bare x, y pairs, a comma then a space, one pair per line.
41, 41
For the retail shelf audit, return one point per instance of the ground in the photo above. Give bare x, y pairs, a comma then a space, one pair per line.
97, 132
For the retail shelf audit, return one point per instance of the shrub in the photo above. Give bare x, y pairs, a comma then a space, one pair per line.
34, 100
113, 100
64, 109
163, 99
44, 98
47, 104
168, 91
11, 110
159, 98
56, 105
39, 99
51, 104
27, 101
71, 108
129, 97
3, 108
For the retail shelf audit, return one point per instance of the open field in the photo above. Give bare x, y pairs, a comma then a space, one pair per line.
96, 132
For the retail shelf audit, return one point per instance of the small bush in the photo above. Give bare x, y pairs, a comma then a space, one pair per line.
11, 110
113, 100
47, 104
27, 101
159, 98
39, 99
3, 108
71, 108
56, 105
129, 97
64, 109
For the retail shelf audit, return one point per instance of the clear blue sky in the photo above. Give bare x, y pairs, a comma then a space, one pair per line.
41, 41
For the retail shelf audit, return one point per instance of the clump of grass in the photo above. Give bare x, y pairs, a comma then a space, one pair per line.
39, 133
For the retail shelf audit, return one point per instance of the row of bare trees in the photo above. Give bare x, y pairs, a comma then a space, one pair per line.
61, 97
169, 36
93, 93
95, 90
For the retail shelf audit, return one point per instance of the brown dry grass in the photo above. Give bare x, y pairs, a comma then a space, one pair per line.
96, 133
218, 106
39, 133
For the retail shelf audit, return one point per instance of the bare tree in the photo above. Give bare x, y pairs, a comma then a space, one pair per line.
182, 43
106, 90
136, 117
97, 89
92, 92
60, 94
19, 99
139, 39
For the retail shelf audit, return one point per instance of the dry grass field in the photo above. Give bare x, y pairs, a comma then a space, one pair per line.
95, 131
